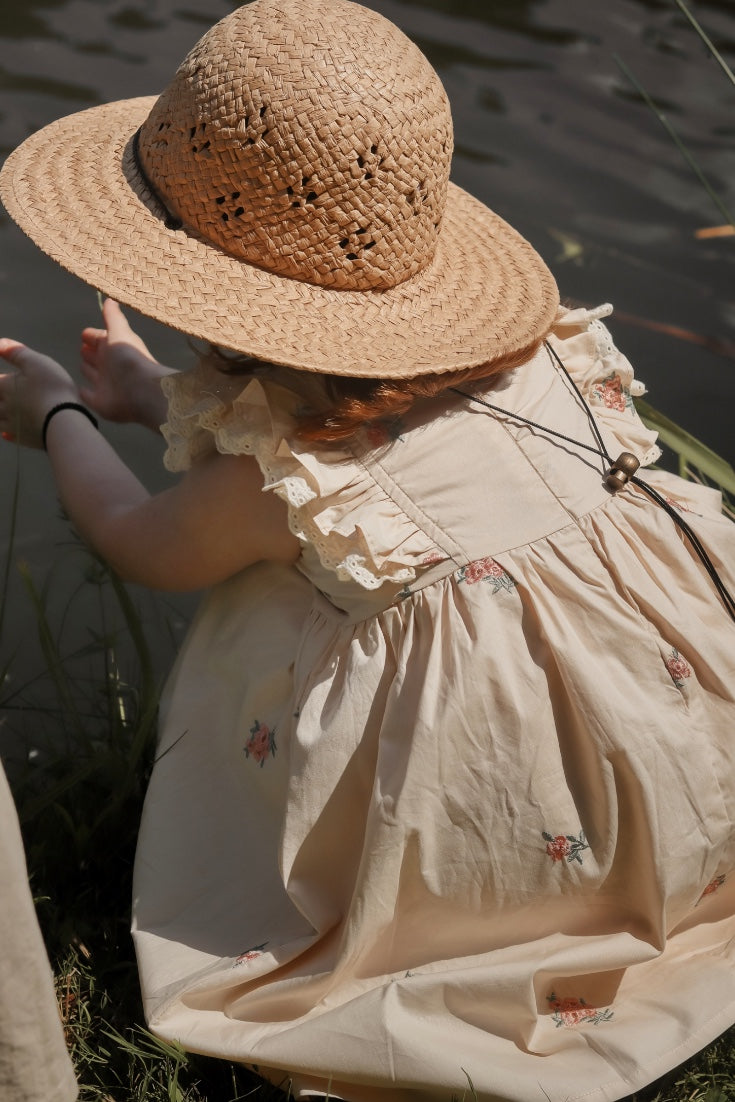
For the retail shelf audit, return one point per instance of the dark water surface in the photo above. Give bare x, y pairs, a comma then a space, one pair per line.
548, 132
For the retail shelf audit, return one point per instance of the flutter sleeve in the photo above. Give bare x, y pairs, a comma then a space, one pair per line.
334, 504
605, 378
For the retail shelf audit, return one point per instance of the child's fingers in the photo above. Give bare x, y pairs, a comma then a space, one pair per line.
115, 320
89, 354
93, 341
93, 336
12, 351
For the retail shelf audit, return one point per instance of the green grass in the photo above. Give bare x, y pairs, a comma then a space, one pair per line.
90, 717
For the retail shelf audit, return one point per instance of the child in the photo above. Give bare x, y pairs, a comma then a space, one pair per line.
445, 787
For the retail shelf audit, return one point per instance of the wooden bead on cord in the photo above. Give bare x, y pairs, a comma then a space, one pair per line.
621, 471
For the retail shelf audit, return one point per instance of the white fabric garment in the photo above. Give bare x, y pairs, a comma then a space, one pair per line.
34, 1064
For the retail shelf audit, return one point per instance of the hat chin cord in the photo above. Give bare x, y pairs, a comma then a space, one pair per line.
171, 222
621, 471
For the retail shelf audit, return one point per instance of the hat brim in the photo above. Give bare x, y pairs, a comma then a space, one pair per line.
74, 188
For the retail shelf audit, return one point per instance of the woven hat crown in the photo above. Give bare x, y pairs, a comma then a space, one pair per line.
288, 197
311, 138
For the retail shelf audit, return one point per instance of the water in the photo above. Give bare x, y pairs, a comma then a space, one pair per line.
549, 132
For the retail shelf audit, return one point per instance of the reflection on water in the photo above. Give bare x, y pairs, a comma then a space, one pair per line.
55, 89
506, 15
548, 132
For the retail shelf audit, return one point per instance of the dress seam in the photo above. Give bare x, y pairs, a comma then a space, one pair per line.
513, 436
405, 504
409, 509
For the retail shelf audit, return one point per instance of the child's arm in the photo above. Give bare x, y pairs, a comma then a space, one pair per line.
122, 378
213, 523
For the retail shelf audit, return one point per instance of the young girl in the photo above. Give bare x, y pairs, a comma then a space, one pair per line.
445, 788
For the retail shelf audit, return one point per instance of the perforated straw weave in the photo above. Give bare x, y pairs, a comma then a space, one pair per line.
303, 151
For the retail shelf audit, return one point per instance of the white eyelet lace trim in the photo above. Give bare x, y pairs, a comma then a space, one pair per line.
202, 418
325, 491
627, 427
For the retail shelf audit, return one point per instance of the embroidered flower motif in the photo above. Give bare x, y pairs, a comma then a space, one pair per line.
565, 847
611, 393
715, 883
677, 505
486, 570
261, 743
678, 668
432, 558
250, 954
571, 1012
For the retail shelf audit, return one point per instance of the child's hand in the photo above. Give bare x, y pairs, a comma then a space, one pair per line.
27, 393
122, 377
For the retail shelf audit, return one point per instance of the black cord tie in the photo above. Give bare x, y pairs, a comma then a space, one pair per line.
621, 471
171, 222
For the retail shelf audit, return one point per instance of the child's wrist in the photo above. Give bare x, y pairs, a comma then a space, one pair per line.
62, 407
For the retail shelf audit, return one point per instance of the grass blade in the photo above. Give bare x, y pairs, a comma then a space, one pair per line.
691, 451
707, 41
33, 806
49, 647
149, 689
11, 539
677, 141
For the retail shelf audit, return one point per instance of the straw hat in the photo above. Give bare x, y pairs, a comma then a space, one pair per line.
288, 196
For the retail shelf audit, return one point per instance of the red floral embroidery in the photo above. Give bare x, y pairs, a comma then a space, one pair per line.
558, 848
715, 883
611, 393
261, 743
570, 1012
677, 505
486, 570
678, 668
565, 846
482, 568
250, 954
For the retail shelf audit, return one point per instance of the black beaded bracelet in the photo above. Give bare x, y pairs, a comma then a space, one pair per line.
57, 409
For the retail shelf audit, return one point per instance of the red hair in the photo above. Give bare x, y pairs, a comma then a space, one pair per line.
354, 404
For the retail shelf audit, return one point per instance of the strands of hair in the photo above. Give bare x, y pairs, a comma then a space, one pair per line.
355, 404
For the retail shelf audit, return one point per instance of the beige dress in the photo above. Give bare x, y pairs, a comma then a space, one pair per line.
454, 800
34, 1063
